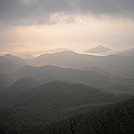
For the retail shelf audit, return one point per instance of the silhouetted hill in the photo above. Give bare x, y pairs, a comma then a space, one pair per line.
63, 94
53, 98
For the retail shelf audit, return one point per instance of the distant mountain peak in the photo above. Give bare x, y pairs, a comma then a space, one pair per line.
98, 49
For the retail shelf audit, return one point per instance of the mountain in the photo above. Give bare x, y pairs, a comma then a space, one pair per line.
57, 94
22, 86
63, 58
115, 64
10, 63
12, 94
54, 99
67, 59
98, 49
92, 76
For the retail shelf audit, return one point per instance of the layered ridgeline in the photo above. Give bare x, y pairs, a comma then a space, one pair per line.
31, 96
117, 64
92, 76
55, 94
31, 105
10, 63
88, 70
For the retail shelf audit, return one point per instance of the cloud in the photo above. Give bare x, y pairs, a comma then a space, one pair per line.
27, 12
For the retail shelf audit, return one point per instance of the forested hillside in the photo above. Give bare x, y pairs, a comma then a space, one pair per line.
55, 100
115, 118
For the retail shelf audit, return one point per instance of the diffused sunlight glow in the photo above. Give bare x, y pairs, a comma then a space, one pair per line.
79, 34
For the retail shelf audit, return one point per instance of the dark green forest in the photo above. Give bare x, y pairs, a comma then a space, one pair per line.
114, 118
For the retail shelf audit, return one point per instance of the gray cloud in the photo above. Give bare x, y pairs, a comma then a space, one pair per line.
21, 12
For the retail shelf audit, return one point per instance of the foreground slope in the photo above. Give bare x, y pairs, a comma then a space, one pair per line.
112, 119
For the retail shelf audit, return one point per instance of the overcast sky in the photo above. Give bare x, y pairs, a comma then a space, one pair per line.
38, 26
